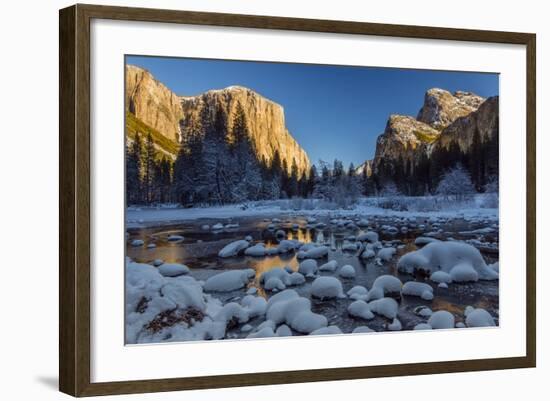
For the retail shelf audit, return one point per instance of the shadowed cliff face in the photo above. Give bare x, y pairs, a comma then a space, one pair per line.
173, 116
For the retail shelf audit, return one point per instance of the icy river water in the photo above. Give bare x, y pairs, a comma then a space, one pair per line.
200, 246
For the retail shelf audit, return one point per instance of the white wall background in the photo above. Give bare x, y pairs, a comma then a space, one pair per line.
28, 211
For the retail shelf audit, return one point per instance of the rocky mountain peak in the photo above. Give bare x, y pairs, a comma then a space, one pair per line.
441, 107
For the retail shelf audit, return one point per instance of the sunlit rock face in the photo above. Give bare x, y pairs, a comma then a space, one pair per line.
404, 137
441, 108
174, 116
152, 102
444, 120
265, 118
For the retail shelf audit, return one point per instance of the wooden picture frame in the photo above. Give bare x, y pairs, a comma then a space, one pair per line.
75, 206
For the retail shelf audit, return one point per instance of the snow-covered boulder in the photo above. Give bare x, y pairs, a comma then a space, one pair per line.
422, 290
479, 318
369, 236
173, 269
175, 238
395, 325
217, 227
387, 307
385, 285
362, 329
329, 330
421, 241
137, 242
283, 331
229, 280
264, 332
368, 254
233, 248
329, 266
232, 311
347, 271
255, 306
358, 292
296, 278
274, 284
441, 277
360, 309
308, 267
422, 326
446, 256
257, 250
442, 320
316, 252
288, 245
385, 254
463, 272
289, 308
327, 287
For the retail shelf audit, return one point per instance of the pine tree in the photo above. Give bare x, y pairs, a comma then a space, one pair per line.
149, 168
133, 168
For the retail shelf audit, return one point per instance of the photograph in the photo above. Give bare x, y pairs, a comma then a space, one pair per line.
272, 199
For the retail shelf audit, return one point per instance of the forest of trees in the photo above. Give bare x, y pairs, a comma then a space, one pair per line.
423, 176
218, 165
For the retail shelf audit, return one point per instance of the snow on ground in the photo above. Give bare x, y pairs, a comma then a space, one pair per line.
156, 216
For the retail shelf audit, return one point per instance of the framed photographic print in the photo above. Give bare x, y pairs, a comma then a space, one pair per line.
250, 200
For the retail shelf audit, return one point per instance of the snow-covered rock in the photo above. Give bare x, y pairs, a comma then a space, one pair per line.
442, 319
229, 280
329, 266
288, 245
479, 318
264, 332
395, 325
346, 271
421, 241
308, 267
255, 306
217, 227
358, 292
330, 330
384, 285
316, 252
422, 326
385, 254
257, 250
422, 290
360, 309
289, 308
446, 256
441, 277
463, 272
387, 307
368, 254
175, 238
369, 236
274, 284
327, 287
173, 269
362, 329
283, 331
233, 248
230, 311
137, 242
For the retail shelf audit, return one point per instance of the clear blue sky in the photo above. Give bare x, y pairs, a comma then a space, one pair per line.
332, 111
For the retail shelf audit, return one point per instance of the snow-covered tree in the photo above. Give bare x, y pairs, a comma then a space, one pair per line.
390, 190
456, 184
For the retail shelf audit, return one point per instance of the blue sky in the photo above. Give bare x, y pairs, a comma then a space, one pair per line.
332, 111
